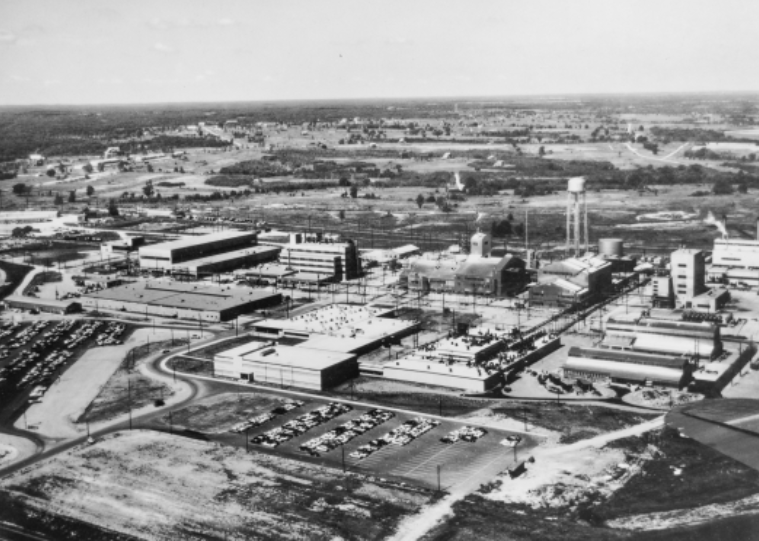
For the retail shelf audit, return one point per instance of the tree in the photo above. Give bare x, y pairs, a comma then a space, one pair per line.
72, 196
19, 189
113, 210
58, 200
343, 182
341, 214
87, 168
354, 191
90, 190
542, 151
742, 187
419, 200
148, 188
722, 187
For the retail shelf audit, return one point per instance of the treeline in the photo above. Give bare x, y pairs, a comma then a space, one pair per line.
284, 186
255, 168
699, 135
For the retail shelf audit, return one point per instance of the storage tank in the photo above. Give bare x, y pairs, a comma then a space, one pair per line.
613, 247
576, 185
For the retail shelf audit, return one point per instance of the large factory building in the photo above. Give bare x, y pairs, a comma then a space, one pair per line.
207, 254
296, 366
185, 301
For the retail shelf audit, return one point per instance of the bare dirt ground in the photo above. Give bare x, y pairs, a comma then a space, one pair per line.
156, 486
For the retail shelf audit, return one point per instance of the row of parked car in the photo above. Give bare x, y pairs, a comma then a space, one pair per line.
346, 432
301, 425
79, 336
258, 420
62, 329
465, 433
111, 334
403, 435
26, 336
47, 354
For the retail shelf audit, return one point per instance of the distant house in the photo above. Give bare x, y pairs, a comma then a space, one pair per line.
111, 152
36, 159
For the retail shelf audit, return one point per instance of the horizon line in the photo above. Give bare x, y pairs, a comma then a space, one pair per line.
394, 98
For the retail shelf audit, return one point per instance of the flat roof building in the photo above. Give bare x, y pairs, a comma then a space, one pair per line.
43, 305
295, 366
185, 301
207, 254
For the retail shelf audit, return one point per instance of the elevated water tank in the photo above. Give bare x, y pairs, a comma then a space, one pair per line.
576, 185
613, 247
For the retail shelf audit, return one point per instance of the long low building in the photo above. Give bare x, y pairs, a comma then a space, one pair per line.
207, 254
185, 301
624, 366
292, 366
669, 337
43, 305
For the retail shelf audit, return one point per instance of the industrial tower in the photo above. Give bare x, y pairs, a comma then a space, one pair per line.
576, 206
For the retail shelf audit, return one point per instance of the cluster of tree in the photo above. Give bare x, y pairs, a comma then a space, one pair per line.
21, 232
168, 184
666, 134
651, 147
257, 168
276, 187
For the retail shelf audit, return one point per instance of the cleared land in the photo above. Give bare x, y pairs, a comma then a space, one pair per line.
155, 486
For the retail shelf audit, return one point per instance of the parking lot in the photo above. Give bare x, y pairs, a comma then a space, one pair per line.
33, 355
409, 458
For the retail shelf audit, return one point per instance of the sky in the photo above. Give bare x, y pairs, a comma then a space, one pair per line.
158, 51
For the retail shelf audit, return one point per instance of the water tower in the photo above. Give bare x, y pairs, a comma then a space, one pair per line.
577, 209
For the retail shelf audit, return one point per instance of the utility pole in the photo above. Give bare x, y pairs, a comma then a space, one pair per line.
129, 400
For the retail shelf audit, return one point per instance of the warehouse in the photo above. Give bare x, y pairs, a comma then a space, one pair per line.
206, 254
625, 366
666, 337
559, 293
292, 366
185, 301
42, 305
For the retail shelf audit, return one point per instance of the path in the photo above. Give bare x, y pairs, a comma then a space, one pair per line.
665, 159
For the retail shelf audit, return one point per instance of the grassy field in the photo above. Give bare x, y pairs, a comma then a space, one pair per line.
14, 275
219, 413
127, 388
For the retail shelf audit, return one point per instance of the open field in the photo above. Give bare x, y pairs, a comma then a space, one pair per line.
156, 486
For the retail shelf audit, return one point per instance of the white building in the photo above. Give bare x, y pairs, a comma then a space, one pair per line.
292, 366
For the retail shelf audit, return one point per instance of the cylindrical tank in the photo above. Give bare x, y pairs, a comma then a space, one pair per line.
576, 185
613, 247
